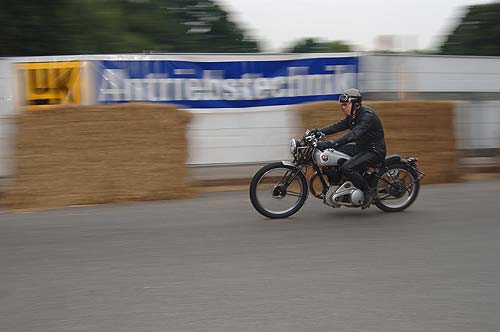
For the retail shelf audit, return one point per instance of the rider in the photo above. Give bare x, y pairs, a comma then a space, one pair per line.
368, 137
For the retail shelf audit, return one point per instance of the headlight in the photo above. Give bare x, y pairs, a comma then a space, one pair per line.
293, 146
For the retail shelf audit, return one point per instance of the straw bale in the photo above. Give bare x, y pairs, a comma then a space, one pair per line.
99, 154
423, 129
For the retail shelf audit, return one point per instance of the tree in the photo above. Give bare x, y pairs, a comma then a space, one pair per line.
314, 45
28, 27
477, 34
56, 27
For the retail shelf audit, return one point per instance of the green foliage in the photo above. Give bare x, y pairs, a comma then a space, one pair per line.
56, 27
314, 45
477, 34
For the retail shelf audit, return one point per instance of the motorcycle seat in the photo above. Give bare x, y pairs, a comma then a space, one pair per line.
392, 158
388, 159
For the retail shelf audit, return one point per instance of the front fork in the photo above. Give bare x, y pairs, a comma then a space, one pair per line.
280, 189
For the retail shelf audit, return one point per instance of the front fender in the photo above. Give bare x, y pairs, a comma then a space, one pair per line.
288, 163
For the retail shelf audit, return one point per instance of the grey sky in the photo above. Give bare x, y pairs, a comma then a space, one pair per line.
418, 24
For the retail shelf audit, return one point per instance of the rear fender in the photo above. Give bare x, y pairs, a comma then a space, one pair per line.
410, 162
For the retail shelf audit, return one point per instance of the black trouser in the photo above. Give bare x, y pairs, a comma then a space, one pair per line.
361, 159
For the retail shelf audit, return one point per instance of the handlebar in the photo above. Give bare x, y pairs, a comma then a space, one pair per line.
312, 136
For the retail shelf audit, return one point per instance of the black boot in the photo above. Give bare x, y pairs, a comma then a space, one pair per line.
369, 196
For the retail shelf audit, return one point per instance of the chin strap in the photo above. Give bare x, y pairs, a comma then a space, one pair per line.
355, 109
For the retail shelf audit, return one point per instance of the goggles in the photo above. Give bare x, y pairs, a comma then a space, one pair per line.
344, 98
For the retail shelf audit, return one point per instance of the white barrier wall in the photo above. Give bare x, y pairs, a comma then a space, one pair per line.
241, 135
478, 125
473, 82
255, 135
398, 73
6, 116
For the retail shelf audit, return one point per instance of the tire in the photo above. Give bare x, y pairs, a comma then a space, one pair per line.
400, 174
265, 190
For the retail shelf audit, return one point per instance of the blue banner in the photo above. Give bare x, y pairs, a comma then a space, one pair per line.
226, 84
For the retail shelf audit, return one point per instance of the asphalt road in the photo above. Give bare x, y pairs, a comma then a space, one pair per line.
213, 264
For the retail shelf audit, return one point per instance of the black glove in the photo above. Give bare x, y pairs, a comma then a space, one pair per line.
326, 145
316, 132
311, 132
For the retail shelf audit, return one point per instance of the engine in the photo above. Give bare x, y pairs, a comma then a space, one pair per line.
347, 194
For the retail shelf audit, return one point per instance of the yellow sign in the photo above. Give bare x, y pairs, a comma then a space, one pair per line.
50, 83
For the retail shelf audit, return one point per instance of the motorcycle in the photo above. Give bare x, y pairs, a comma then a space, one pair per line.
280, 189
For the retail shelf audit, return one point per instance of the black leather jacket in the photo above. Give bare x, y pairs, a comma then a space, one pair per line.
366, 131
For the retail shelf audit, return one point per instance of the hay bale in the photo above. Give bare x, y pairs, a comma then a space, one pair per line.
75, 155
423, 129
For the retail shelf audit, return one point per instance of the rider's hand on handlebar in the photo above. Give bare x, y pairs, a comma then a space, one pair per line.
314, 132
310, 132
319, 134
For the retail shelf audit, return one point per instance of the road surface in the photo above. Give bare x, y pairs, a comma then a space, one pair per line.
213, 264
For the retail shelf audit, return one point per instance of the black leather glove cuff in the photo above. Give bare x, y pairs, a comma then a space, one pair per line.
340, 142
333, 144
326, 145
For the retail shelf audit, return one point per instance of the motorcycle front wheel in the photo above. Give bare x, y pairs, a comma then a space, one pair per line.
278, 190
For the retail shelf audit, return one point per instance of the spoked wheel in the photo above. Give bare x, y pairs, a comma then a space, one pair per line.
398, 188
278, 190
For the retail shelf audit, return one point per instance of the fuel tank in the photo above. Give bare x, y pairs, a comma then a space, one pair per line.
329, 157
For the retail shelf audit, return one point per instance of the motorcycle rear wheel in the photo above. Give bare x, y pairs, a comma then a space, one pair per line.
278, 191
399, 190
